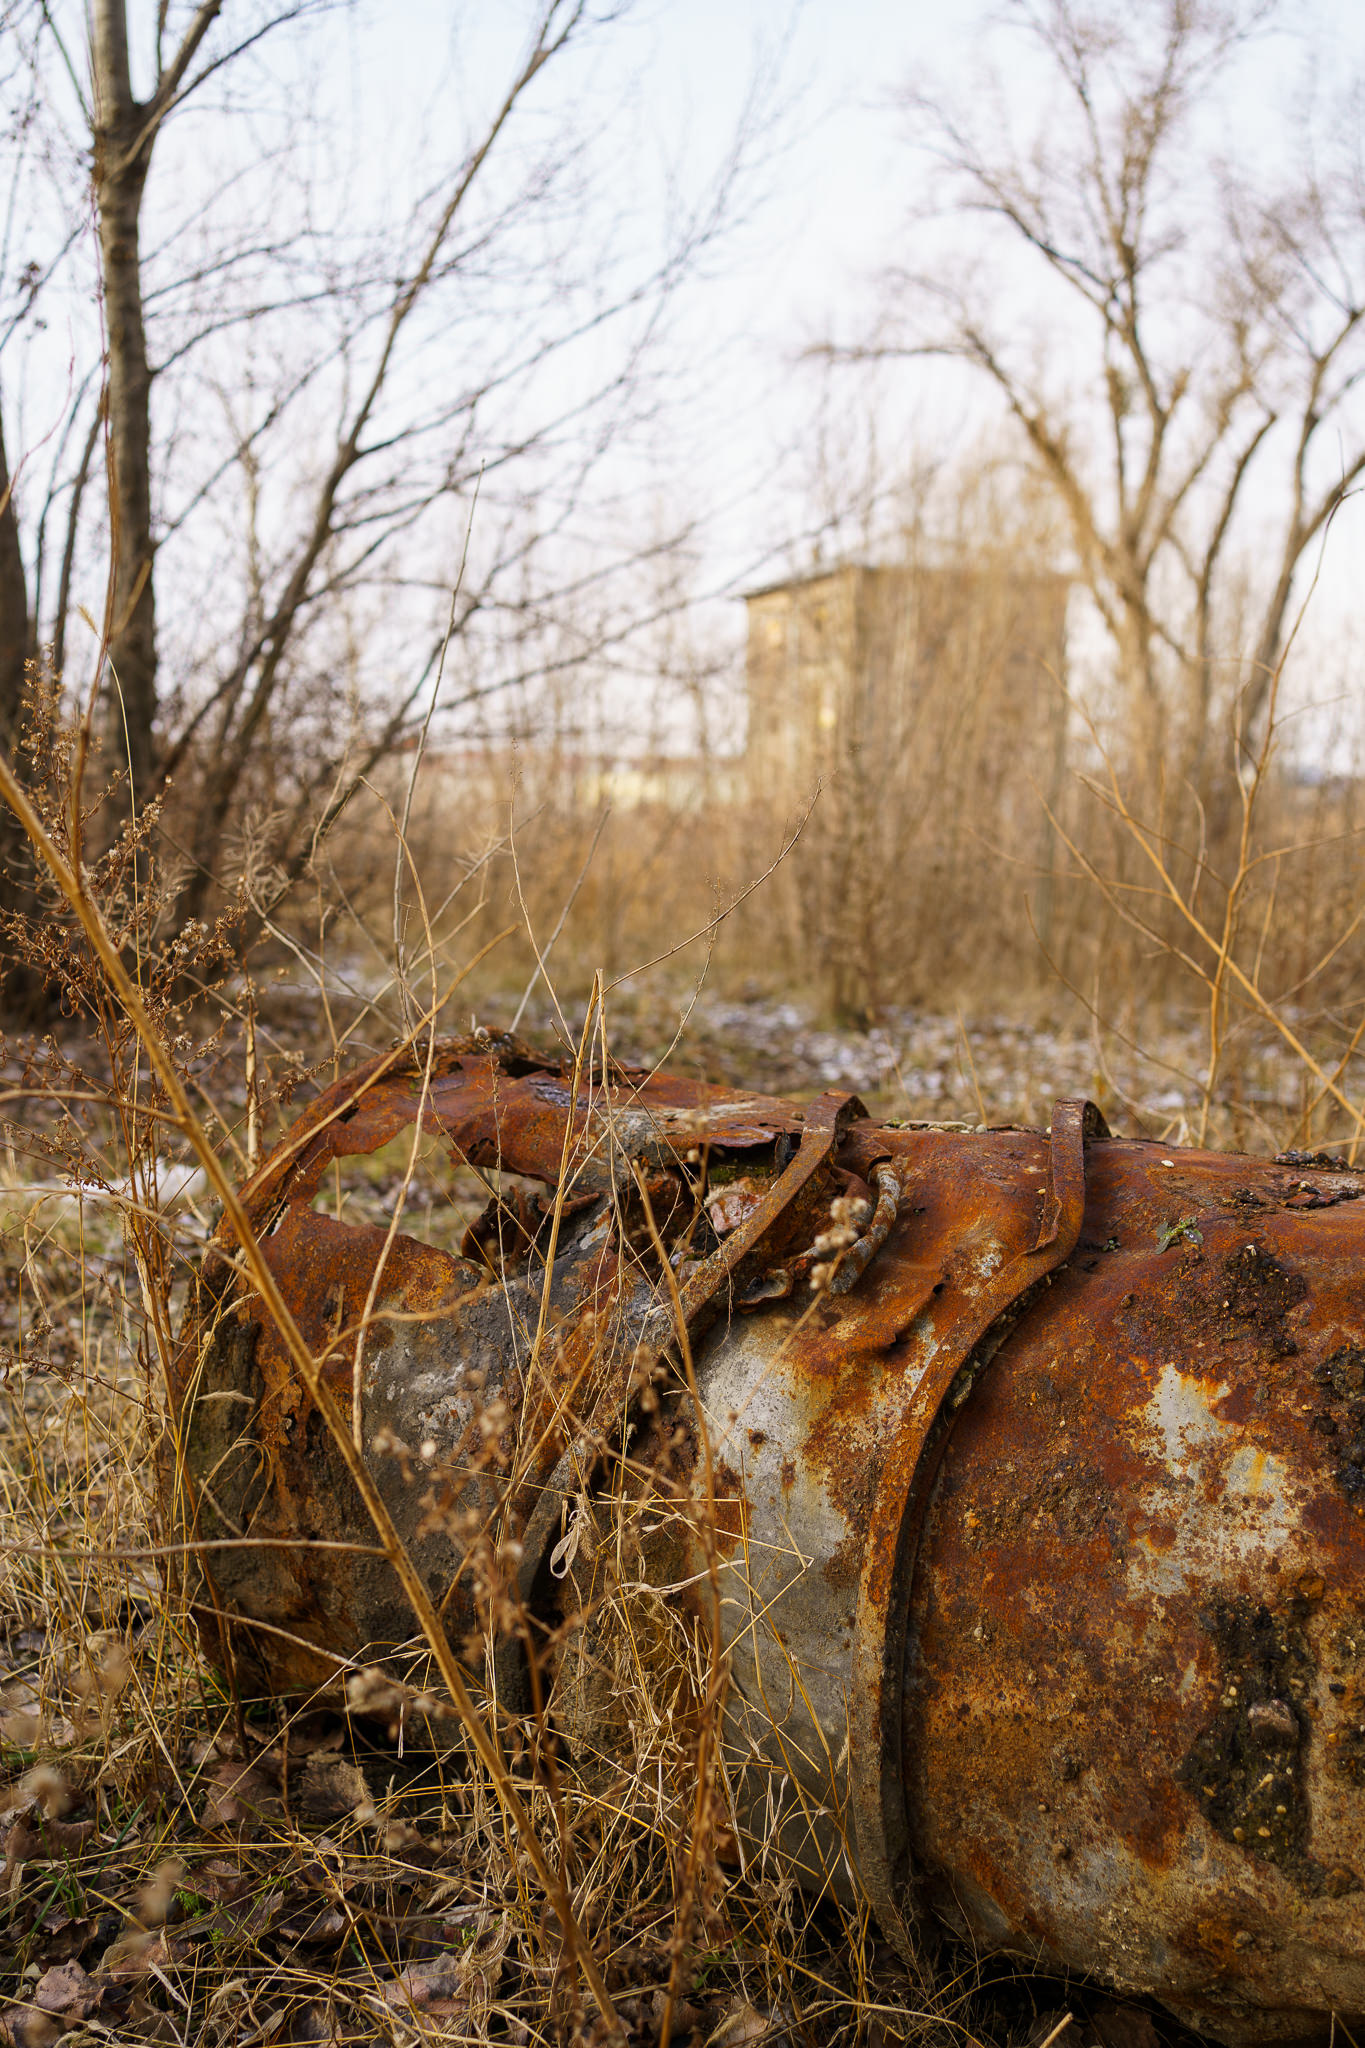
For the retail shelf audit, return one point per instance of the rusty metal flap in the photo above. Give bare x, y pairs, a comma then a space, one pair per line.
950, 1340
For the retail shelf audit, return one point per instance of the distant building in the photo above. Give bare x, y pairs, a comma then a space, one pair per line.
475, 775
851, 658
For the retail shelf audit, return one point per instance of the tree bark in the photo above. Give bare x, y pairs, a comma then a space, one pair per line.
25, 997
15, 628
123, 138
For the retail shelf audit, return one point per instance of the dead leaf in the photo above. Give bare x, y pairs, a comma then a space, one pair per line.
261, 1914
23, 2026
211, 1749
66, 1989
26, 1836
742, 2023
457, 1985
141, 1952
239, 1792
219, 1878
64, 1837
148, 2025
136, 1952
331, 1787
686, 2015
64, 1936
27, 1717
315, 2025
1123, 2026
325, 1928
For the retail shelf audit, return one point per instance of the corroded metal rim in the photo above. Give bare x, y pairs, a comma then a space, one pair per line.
876, 1783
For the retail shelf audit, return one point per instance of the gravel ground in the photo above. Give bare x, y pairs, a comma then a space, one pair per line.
975, 1068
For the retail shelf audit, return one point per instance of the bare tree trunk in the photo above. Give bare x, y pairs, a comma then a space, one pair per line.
123, 143
15, 628
23, 990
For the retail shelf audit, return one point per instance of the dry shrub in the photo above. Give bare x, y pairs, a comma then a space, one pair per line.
960, 838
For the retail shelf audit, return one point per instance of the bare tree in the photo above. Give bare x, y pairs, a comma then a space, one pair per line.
123, 131
1197, 341
300, 399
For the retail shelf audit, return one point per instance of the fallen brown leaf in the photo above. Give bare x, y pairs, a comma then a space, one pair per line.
686, 2015
315, 2025
458, 1985
238, 1792
324, 1928
67, 1990
64, 1936
331, 1787
742, 2023
64, 1837
134, 1955
24, 2026
220, 1877
27, 1835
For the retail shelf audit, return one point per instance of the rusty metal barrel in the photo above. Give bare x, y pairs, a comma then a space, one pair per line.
1034, 1487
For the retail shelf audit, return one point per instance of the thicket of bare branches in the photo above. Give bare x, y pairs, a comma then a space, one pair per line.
1168, 319
290, 383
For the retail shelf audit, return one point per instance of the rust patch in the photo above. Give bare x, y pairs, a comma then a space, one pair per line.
1073, 1499
730, 1497
1260, 1293
1341, 1418
1247, 1765
1241, 1299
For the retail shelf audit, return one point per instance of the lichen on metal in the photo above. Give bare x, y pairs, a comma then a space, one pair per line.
1036, 1533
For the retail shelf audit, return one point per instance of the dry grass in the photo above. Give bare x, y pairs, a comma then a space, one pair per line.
182, 1865
1217, 930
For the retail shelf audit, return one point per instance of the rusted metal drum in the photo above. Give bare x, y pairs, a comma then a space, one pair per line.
1039, 1518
